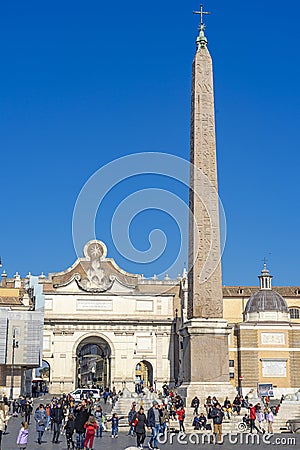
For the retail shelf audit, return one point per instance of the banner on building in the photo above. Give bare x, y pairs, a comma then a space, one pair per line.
265, 390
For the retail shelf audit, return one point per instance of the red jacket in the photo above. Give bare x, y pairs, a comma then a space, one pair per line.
91, 428
252, 413
181, 414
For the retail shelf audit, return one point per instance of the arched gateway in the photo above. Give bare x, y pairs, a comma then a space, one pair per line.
93, 357
101, 321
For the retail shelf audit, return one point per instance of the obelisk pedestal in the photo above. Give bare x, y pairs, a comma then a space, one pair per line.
205, 359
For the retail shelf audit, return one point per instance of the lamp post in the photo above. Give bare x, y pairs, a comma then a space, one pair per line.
15, 344
79, 361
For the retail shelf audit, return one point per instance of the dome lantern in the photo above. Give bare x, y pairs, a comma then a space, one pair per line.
265, 278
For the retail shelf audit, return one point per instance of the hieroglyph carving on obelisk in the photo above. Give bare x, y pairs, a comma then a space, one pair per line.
205, 277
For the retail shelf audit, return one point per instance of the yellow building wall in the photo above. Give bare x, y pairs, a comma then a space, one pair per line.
9, 292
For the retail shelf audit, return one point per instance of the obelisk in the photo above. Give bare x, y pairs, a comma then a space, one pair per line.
205, 334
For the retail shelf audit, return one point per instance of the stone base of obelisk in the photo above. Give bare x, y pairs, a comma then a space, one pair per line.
205, 369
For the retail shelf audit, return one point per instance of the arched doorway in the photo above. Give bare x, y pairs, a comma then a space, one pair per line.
93, 363
144, 374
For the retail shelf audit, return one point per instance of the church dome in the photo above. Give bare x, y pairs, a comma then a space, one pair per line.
266, 304
266, 300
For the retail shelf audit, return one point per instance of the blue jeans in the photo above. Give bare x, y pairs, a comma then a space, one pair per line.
114, 431
131, 430
80, 440
48, 422
163, 428
40, 435
99, 430
154, 434
56, 431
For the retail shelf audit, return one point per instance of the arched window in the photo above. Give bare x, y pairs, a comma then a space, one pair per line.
294, 313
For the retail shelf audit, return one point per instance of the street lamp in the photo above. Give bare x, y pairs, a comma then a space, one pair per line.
15, 344
78, 360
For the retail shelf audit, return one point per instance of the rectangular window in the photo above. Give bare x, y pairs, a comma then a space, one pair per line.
294, 313
48, 303
231, 363
273, 368
46, 343
144, 343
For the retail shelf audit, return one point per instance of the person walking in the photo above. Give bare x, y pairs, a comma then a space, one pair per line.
164, 419
154, 423
6, 412
252, 418
22, 438
270, 420
140, 422
90, 426
260, 415
181, 416
27, 411
130, 417
48, 412
99, 416
115, 424
105, 395
81, 417
3, 421
57, 416
40, 418
69, 429
217, 415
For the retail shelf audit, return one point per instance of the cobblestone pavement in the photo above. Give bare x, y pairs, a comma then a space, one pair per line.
174, 442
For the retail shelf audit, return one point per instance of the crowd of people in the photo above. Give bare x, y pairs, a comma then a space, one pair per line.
80, 423
262, 413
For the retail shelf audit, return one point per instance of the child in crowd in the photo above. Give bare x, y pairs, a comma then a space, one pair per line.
99, 416
90, 426
22, 439
115, 424
69, 429
260, 415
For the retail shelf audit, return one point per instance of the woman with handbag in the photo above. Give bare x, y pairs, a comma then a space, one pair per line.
40, 418
139, 423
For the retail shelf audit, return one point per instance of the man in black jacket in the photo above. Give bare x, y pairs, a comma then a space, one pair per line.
57, 416
195, 404
217, 415
82, 414
154, 422
27, 411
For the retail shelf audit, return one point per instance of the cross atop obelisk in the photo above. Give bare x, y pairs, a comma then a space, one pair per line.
201, 13
201, 39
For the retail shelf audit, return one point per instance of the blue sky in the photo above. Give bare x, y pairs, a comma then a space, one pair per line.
82, 84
